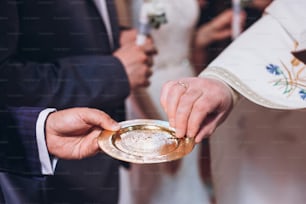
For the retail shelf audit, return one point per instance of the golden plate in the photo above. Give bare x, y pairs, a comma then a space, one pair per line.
145, 141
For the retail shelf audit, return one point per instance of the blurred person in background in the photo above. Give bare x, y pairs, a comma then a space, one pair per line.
175, 42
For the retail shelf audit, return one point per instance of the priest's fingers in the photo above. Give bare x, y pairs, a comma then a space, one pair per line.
184, 109
177, 89
164, 94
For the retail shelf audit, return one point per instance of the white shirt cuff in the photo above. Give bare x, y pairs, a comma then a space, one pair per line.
47, 163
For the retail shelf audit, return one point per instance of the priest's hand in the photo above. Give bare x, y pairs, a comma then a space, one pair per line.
196, 106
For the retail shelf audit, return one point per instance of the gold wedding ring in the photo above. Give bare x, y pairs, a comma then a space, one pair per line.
182, 84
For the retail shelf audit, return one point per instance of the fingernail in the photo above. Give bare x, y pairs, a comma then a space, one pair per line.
189, 135
172, 122
179, 133
115, 126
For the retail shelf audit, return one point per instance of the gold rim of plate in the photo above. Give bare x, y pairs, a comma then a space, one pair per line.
145, 141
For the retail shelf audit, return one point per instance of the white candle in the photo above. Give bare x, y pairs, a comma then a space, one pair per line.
236, 21
143, 29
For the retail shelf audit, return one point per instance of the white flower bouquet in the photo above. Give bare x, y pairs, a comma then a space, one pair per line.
152, 15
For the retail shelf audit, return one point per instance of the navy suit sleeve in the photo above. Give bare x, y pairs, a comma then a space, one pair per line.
29, 83
19, 152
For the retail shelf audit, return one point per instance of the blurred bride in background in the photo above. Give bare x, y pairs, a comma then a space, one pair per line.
183, 181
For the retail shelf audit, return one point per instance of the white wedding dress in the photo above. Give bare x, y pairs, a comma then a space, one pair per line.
172, 41
151, 184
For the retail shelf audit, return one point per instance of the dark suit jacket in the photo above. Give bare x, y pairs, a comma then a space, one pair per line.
56, 53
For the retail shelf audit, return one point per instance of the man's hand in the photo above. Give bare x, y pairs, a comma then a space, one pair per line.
128, 36
72, 133
196, 106
219, 28
137, 61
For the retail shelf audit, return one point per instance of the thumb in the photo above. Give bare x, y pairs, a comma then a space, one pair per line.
98, 118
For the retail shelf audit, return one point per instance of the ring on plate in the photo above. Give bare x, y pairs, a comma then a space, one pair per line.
182, 84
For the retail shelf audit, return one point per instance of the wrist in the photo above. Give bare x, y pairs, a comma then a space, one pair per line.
203, 36
235, 96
